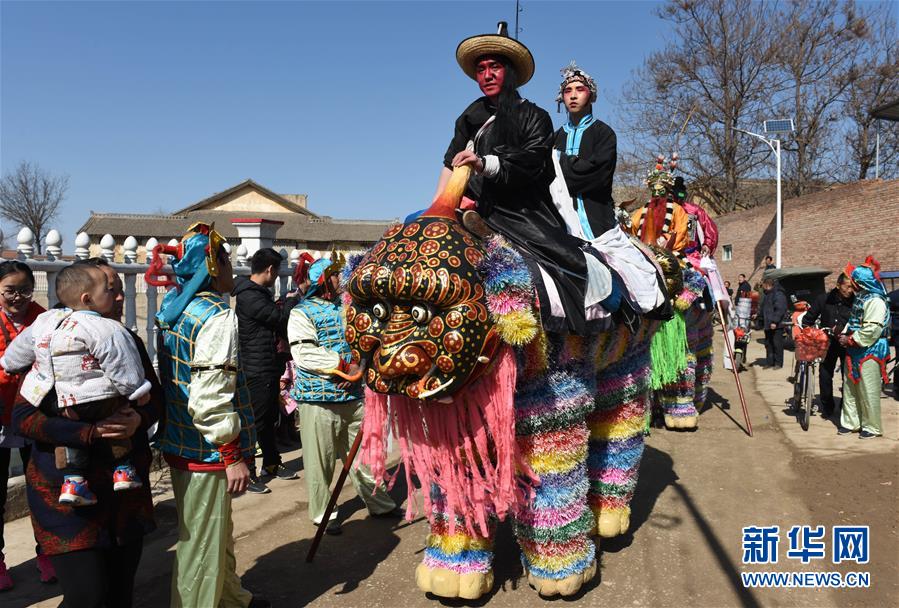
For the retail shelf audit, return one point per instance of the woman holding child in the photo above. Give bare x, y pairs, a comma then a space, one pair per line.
17, 311
95, 549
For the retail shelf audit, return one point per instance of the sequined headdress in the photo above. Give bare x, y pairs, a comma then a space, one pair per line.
660, 179
572, 73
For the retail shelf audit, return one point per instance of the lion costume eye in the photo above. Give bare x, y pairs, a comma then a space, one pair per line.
380, 311
421, 314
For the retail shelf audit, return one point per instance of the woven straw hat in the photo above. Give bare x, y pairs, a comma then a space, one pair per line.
471, 48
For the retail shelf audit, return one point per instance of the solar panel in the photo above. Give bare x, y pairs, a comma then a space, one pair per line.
782, 125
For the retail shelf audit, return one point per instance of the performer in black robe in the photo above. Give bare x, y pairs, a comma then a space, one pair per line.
589, 153
512, 141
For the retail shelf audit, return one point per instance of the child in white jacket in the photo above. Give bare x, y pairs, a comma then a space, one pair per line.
91, 362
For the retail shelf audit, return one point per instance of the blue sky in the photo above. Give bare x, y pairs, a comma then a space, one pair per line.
156, 105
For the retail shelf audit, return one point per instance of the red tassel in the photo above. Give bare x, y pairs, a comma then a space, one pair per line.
874, 265
155, 274
302, 271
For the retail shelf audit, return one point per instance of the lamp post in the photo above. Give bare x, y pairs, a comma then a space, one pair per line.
776, 127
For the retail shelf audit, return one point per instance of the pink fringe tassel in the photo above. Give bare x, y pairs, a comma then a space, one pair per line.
466, 447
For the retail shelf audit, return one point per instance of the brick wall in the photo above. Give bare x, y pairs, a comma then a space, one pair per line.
827, 229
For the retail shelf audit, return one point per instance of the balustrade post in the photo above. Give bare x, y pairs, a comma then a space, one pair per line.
82, 246
52, 300
54, 245
130, 282
227, 247
241, 255
283, 279
151, 305
25, 240
107, 247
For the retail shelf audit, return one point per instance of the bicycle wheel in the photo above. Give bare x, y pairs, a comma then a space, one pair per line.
809, 397
797, 384
805, 406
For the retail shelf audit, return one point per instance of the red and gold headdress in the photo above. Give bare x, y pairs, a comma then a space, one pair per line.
659, 179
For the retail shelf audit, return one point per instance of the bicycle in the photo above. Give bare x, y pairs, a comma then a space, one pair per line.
810, 350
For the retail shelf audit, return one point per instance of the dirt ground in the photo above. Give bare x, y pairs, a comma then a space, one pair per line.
695, 494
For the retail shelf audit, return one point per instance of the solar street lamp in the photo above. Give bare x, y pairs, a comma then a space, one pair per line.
774, 127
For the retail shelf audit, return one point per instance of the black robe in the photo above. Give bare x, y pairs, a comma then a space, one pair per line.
588, 174
517, 204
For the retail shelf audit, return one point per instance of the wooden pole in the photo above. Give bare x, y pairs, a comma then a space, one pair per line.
733, 365
350, 457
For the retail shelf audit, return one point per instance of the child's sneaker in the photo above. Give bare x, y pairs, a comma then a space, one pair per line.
5, 579
45, 567
125, 478
76, 492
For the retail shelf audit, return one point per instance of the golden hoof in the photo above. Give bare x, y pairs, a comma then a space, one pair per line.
449, 584
565, 587
681, 422
614, 523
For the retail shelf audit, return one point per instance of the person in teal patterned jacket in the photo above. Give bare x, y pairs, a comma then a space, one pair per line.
209, 431
330, 406
866, 339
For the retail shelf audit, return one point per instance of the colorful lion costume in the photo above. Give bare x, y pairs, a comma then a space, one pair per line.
682, 394
682, 357
494, 416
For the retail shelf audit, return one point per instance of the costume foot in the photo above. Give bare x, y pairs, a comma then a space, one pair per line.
548, 587
613, 523
681, 422
446, 583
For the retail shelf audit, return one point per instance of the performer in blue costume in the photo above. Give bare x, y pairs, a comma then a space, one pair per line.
209, 430
866, 340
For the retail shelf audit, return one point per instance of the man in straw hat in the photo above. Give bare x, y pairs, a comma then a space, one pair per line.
507, 141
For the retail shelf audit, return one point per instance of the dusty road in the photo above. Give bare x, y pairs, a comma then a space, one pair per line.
696, 493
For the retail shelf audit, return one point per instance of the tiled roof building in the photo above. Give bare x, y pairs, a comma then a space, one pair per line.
301, 229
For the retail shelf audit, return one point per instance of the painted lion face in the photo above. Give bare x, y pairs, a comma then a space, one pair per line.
418, 314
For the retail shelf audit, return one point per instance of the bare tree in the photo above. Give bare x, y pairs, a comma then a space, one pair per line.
818, 47
876, 84
30, 197
719, 65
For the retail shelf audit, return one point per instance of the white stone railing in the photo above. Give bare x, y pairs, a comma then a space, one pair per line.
132, 272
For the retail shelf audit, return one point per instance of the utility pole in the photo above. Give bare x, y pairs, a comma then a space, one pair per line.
776, 127
517, 11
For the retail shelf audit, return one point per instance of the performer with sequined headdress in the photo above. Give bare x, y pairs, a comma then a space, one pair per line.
866, 339
588, 153
661, 221
209, 434
584, 159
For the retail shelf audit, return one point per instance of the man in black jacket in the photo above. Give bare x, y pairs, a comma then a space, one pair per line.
510, 154
259, 324
744, 289
589, 153
774, 309
832, 311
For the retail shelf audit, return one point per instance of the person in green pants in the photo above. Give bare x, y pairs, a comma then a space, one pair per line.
330, 407
209, 431
867, 351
